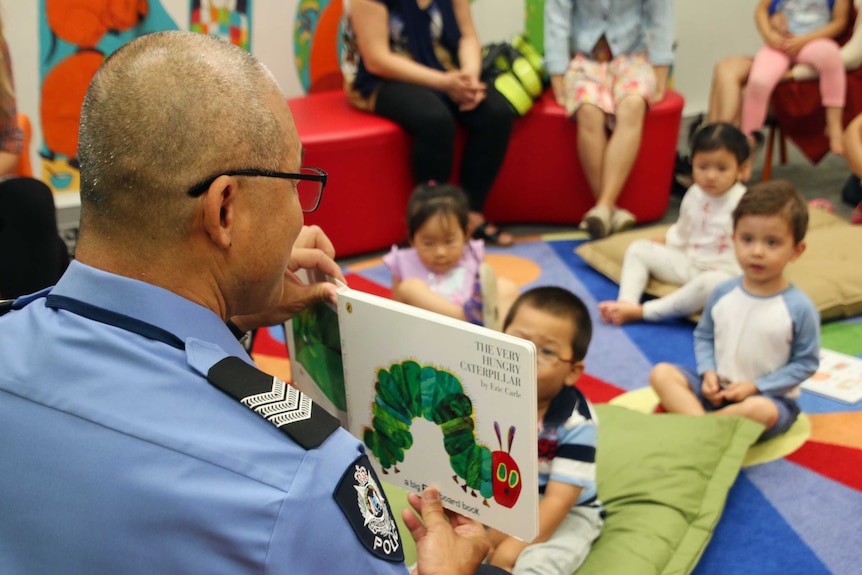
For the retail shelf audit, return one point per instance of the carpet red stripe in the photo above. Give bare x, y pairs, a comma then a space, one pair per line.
597, 390
839, 463
362, 284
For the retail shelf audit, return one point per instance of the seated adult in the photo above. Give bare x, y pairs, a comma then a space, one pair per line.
32, 255
125, 448
607, 65
730, 75
417, 63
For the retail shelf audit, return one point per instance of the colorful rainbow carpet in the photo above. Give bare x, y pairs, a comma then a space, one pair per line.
796, 506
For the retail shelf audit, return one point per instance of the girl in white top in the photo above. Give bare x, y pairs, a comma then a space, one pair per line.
697, 252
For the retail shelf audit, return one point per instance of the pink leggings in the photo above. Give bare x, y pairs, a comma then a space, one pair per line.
769, 67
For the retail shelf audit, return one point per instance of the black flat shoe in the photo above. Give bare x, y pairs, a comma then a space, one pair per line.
492, 235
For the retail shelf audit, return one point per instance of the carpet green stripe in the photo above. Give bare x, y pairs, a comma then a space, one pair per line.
842, 337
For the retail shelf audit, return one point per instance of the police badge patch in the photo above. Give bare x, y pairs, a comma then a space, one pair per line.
364, 504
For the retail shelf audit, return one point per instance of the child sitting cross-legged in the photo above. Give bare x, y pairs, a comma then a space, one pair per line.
443, 270
759, 336
696, 253
570, 514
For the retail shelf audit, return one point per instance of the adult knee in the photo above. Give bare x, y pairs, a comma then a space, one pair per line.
434, 123
631, 112
590, 119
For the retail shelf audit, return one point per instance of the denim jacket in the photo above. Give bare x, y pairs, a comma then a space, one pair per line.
574, 26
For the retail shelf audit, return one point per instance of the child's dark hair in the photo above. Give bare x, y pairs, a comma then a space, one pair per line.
431, 199
721, 136
560, 302
775, 198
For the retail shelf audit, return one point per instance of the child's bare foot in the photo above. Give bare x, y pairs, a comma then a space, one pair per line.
605, 310
620, 312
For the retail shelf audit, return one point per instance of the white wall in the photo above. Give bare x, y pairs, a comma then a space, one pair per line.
706, 31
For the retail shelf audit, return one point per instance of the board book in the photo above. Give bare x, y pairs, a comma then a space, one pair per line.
839, 376
436, 401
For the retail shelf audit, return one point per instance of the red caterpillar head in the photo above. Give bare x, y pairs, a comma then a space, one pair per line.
506, 476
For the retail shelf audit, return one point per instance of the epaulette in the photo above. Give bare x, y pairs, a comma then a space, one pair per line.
281, 404
6, 306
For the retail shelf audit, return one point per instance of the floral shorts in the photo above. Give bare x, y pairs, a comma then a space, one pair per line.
603, 84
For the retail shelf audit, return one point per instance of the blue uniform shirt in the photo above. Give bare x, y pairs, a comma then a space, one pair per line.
120, 457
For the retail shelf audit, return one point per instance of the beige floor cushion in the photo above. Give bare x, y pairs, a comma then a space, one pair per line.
829, 272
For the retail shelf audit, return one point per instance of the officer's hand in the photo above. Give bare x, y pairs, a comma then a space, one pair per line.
312, 251
453, 547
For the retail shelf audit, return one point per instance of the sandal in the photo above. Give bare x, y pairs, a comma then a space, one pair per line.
493, 235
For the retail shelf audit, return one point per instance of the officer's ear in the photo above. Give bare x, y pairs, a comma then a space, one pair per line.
219, 209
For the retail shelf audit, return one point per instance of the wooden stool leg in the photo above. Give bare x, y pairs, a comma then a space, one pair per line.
782, 146
767, 159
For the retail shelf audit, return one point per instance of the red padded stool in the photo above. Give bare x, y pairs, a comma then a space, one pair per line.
542, 181
364, 205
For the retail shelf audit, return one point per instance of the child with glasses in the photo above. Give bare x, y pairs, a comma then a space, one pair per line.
443, 270
570, 514
696, 252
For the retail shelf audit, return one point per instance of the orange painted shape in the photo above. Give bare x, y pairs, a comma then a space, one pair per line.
63, 91
24, 167
520, 270
83, 23
323, 65
844, 428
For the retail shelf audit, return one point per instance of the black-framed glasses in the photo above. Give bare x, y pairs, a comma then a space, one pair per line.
545, 356
309, 184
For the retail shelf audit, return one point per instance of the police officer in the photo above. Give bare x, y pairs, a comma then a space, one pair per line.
125, 444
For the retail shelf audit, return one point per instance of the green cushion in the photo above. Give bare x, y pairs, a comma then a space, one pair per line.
663, 480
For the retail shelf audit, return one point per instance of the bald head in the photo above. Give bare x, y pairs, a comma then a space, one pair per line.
164, 112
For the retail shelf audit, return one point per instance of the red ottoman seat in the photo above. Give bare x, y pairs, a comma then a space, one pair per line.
541, 181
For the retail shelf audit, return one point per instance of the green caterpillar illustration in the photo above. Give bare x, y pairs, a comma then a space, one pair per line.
407, 391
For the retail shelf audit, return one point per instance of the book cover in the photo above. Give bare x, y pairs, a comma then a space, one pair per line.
436, 401
839, 376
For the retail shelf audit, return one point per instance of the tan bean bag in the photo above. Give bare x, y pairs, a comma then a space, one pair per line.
829, 272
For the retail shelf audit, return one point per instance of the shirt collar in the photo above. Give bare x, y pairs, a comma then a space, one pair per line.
148, 303
563, 405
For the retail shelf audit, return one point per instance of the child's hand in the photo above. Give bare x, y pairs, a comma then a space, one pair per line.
737, 391
778, 22
659, 240
711, 389
775, 40
794, 44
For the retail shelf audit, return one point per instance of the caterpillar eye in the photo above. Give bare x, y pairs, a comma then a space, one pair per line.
514, 478
501, 472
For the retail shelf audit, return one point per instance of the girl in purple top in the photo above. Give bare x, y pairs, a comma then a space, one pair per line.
443, 270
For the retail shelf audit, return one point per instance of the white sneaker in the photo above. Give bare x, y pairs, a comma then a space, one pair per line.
622, 220
597, 221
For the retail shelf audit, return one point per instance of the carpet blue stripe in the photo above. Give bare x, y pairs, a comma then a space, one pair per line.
830, 522
753, 538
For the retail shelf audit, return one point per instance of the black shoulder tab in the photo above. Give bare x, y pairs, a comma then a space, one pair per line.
281, 404
6, 306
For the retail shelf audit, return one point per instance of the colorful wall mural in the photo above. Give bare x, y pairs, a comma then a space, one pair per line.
228, 19
75, 36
